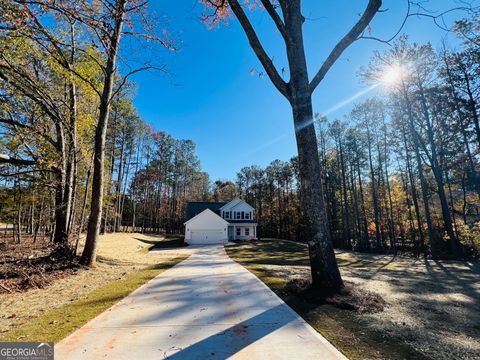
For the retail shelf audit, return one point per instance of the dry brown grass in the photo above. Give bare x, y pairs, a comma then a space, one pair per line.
119, 256
432, 311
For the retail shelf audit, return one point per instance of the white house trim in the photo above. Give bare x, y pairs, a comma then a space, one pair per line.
206, 228
208, 210
234, 220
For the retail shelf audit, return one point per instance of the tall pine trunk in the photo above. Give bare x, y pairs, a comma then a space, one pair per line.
438, 175
432, 237
90, 250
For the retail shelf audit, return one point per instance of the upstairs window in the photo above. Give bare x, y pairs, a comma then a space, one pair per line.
247, 215
226, 214
243, 215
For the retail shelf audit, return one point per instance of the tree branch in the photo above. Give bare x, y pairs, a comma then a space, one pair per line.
370, 11
257, 47
6, 159
14, 123
436, 18
275, 17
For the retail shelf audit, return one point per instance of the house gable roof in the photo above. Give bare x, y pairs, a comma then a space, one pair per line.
231, 203
234, 203
206, 212
196, 207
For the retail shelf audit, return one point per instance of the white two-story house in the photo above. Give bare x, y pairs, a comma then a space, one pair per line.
218, 222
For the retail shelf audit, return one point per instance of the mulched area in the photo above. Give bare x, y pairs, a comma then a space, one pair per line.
351, 297
29, 247
33, 264
21, 275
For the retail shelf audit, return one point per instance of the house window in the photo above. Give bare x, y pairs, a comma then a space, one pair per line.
239, 231
237, 215
243, 215
247, 216
226, 214
247, 231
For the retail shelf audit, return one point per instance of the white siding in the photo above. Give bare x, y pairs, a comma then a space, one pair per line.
206, 228
238, 206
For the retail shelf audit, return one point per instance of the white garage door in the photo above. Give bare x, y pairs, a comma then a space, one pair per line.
207, 236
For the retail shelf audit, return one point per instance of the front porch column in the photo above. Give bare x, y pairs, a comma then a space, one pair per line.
234, 232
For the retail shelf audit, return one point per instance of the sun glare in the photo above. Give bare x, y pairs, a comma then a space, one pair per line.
392, 75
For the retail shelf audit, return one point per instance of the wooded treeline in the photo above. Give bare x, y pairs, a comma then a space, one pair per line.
402, 170
273, 192
160, 190
75, 156
149, 178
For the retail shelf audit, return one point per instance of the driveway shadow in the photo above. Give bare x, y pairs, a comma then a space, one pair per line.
227, 343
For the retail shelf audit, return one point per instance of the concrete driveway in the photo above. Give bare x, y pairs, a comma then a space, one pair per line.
207, 307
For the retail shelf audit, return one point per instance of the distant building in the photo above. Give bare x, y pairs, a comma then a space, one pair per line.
218, 222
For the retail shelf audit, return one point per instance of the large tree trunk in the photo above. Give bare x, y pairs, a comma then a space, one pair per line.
324, 268
90, 250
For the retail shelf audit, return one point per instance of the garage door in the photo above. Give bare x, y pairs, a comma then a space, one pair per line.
207, 237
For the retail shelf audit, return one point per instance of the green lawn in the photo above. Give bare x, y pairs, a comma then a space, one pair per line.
60, 322
347, 331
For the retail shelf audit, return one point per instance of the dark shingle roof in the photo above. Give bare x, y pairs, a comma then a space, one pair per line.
196, 207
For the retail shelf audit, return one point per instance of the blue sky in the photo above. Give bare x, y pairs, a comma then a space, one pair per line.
237, 119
